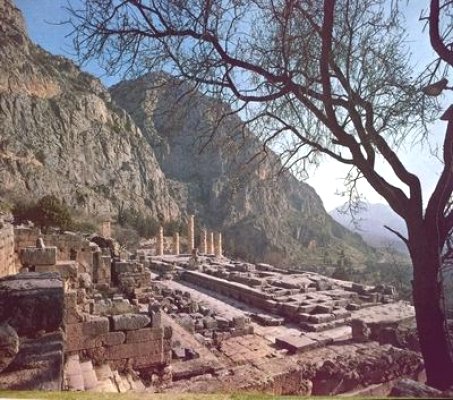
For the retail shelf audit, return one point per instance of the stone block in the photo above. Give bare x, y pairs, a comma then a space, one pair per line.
144, 335
87, 335
187, 323
129, 322
119, 267
307, 309
320, 318
360, 331
341, 313
222, 323
295, 344
156, 319
239, 322
112, 338
178, 353
209, 323
95, 326
157, 359
32, 302
152, 348
267, 320
35, 256
323, 308
66, 269
290, 309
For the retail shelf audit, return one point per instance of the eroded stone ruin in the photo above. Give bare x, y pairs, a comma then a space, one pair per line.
76, 316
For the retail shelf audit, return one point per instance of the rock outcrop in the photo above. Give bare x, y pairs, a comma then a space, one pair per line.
263, 214
60, 134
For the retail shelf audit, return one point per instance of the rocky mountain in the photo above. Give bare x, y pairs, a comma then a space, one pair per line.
61, 134
369, 223
211, 160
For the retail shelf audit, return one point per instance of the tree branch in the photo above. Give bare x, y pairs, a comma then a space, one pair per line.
405, 240
434, 34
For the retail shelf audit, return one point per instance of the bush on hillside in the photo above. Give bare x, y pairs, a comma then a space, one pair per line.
48, 212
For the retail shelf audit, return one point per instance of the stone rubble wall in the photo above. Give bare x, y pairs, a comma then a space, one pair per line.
7, 255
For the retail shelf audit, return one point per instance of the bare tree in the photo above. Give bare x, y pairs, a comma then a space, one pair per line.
314, 78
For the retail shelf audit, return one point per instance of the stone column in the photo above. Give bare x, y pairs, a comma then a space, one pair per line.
211, 243
203, 242
160, 241
218, 245
191, 233
106, 229
176, 243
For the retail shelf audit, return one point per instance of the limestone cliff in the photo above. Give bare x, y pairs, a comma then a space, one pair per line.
61, 134
263, 214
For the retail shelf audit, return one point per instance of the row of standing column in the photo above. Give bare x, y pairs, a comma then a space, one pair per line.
210, 243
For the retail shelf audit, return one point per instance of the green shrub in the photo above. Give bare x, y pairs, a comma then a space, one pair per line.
48, 212
145, 225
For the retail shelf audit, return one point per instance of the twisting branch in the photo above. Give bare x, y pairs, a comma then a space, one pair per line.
437, 41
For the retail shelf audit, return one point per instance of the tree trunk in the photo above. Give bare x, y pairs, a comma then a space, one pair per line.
426, 292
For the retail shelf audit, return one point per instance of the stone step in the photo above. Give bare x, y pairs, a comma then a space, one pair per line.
105, 386
103, 372
323, 326
89, 375
72, 366
76, 383
104, 375
121, 382
73, 374
136, 384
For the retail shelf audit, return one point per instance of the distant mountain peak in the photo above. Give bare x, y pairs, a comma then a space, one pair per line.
370, 222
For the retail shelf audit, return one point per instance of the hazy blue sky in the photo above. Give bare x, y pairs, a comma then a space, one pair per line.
42, 18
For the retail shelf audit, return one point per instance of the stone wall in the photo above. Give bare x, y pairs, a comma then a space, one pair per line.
7, 255
70, 246
127, 340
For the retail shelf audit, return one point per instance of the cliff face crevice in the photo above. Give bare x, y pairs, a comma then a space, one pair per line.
61, 134
263, 214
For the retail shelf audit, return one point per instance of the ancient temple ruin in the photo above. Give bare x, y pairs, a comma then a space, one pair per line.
78, 317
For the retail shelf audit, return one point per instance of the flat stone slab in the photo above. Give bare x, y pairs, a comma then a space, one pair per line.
295, 344
386, 313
